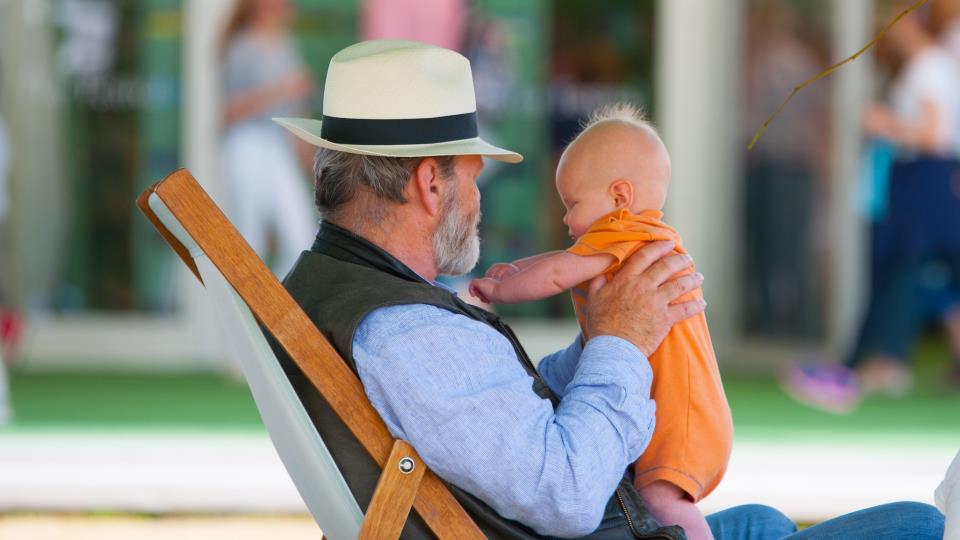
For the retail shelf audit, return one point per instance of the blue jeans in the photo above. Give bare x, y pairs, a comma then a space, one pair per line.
902, 301
901, 520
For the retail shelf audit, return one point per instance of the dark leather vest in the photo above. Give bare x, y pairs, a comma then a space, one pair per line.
337, 283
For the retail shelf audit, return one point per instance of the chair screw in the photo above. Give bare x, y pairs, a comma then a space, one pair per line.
407, 465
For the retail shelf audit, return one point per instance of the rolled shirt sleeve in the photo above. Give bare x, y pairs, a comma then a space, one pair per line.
452, 388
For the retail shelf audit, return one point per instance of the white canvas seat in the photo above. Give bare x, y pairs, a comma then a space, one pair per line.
297, 442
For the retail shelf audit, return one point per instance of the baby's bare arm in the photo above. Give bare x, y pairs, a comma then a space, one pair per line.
501, 271
550, 274
528, 261
670, 505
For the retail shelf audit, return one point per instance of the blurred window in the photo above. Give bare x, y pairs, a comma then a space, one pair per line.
119, 63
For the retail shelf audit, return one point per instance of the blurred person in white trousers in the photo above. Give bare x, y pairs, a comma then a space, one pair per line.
264, 77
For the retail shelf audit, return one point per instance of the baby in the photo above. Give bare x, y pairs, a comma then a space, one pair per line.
613, 181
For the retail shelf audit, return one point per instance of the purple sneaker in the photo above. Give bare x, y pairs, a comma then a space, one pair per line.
828, 387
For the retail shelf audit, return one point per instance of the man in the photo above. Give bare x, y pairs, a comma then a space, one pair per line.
528, 454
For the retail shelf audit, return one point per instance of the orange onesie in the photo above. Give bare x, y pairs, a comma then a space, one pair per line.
692, 439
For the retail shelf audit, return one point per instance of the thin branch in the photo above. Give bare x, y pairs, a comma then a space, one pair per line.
831, 69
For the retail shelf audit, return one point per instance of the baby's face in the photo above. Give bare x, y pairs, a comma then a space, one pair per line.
610, 167
585, 201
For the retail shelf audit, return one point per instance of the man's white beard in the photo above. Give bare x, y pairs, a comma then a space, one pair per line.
456, 243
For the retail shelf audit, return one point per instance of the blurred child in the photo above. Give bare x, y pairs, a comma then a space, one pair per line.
613, 181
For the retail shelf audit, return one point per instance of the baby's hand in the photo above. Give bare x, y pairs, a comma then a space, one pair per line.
484, 289
501, 271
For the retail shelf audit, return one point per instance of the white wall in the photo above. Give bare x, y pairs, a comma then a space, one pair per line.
203, 23
852, 23
31, 106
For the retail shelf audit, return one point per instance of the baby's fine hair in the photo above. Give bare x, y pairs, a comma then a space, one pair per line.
619, 112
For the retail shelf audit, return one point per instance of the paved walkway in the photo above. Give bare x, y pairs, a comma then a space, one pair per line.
198, 473
58, 527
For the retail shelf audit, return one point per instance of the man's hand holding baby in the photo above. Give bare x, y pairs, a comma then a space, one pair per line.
639, 304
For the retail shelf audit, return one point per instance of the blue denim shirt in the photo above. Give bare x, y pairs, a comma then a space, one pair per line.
453, 388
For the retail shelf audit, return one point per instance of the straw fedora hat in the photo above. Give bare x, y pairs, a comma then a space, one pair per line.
399, 99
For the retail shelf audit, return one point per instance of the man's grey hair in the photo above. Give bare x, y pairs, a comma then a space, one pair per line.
619, 112
340, 176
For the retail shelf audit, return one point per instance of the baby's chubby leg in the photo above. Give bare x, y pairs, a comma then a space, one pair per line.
671, 506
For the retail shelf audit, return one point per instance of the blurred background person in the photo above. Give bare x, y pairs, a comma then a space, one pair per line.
945, 16
781, 176
264, 77
437, 22
915, 260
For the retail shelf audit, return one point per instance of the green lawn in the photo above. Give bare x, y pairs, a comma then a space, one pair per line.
930, 413
761, 410
110, 400
81, 400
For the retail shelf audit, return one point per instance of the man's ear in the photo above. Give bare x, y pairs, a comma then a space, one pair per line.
427, 185
622, 193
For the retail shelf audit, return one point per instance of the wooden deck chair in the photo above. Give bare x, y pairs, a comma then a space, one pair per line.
244, 291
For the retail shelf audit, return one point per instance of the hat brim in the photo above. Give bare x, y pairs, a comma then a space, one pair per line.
308, 129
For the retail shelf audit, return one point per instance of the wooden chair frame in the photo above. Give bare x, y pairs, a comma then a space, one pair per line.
399, 487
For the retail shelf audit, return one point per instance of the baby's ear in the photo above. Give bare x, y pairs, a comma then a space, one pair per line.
622, 193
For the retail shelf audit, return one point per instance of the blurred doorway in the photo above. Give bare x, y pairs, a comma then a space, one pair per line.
786, 196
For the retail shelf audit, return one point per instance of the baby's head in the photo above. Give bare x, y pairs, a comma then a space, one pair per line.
617, 161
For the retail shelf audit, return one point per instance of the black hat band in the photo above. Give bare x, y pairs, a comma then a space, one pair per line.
402, 131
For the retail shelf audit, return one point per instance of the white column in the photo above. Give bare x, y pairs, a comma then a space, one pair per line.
697, 72
203, 24
852, 21
32, 102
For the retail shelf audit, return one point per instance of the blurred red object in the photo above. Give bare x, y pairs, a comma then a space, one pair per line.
11, 332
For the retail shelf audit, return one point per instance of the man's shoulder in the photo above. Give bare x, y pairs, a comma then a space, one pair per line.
411, 320
406, 316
